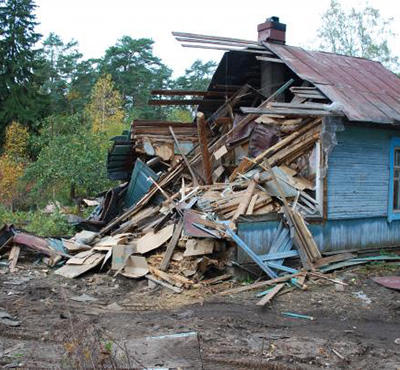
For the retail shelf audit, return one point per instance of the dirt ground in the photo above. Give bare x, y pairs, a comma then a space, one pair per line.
142, 327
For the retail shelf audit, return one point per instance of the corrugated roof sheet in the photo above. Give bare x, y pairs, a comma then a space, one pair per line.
366, 90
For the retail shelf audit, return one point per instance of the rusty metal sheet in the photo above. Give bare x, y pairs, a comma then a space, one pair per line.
366, 90
262, 137
391, 282
190, 218
242, 134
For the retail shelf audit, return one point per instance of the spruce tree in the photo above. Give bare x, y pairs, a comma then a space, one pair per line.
20, 80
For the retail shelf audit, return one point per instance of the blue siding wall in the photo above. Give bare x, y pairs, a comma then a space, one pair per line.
358, 173
334, 235
257, 235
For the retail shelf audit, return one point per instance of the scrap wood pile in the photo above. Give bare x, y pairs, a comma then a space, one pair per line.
175, 220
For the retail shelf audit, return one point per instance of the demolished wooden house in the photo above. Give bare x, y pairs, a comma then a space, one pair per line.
294, 135
292, 159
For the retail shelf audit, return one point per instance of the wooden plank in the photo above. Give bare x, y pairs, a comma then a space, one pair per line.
260, 284
159, 102
312, 96
199, 247
219, 42
288, 112
251, 253
73, 271
314, 106
244, 203
250, 208
190, 93
217, 279
332, 259
165, 276
171, 246
164, 284
205, 154
13, 258
215, 38
311, 245
220, 152
296, 232
226, 49
271, 294
136, 219
279, 255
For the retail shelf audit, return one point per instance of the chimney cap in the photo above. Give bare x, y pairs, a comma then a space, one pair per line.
272, 31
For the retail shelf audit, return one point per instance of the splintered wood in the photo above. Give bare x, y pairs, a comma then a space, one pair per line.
222, 169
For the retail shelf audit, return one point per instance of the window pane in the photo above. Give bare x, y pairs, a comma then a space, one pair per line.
397, 157
396, 203
396, 174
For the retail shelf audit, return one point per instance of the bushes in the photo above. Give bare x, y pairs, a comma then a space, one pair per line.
37, 222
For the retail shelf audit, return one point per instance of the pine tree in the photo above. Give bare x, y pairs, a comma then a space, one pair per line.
19, 64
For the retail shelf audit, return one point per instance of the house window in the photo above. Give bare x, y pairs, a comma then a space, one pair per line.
396, 180
394, 184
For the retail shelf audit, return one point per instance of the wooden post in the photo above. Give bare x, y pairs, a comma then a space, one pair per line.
205, 154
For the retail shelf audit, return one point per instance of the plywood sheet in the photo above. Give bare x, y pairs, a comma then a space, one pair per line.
152, 240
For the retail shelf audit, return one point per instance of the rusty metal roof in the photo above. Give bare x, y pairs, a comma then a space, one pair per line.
366, 90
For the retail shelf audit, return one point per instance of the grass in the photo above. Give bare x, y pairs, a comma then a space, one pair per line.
38, 223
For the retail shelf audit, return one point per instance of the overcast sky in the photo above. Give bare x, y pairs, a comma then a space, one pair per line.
98, 24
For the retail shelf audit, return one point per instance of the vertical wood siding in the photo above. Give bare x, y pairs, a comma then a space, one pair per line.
358, 173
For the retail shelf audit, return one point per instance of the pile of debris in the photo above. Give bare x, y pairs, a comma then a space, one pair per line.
187, 185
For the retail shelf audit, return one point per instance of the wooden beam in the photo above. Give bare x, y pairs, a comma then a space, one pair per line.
225, 49
164, 284
190, 93
171, 246
216, 38
213, 42
244, 203
260, 284
271, 294
205, 154
184, 101
288, 111
194, 177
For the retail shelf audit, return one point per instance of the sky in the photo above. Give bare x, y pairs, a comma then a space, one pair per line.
98, 24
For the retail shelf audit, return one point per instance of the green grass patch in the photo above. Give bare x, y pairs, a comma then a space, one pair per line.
36, 222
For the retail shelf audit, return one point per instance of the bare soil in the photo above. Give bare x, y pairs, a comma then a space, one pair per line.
354, 328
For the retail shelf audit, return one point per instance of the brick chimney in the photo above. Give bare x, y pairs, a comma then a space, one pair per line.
272, 31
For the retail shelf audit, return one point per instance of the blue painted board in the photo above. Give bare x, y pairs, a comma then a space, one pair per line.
139, 184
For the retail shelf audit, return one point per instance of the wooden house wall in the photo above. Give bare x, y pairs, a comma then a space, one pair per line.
357, 196
358, 173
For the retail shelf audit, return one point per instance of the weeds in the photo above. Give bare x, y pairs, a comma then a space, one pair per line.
54, 224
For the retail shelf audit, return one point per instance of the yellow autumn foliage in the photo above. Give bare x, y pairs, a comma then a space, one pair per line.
105, 107
13, 162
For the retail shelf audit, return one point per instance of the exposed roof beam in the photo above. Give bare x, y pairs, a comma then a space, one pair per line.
226, 49
190, 93
226, 43
273, 60
216, 38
